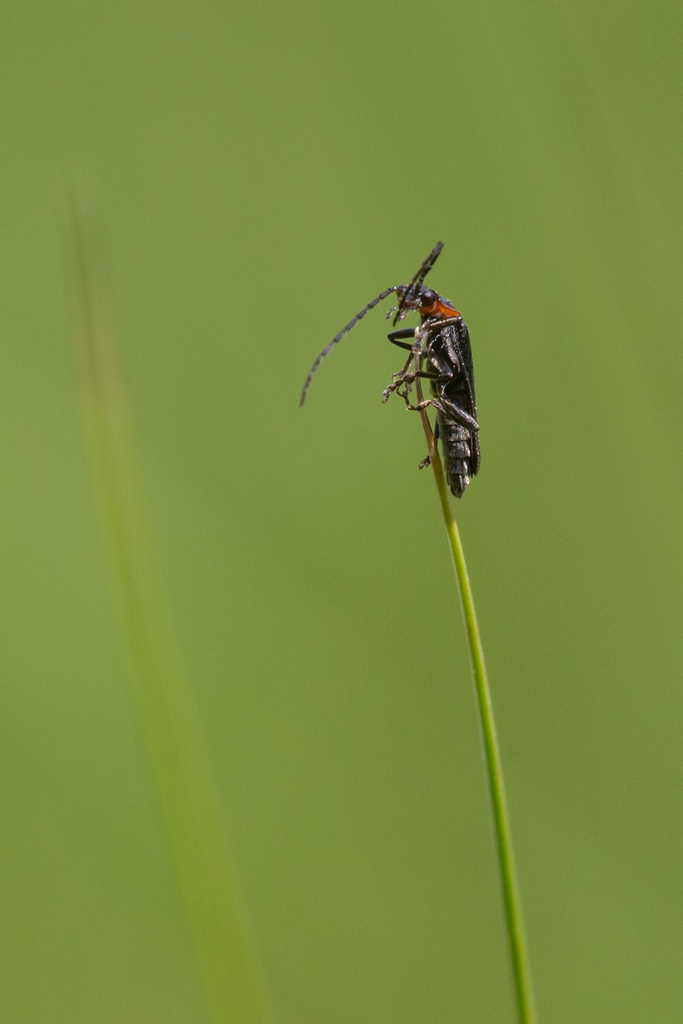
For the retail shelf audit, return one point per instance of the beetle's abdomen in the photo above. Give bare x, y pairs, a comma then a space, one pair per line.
459, 454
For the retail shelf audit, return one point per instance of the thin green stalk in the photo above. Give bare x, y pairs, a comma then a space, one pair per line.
169, 721
519, 959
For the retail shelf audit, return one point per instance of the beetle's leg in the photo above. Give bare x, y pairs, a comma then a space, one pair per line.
454, 411
423, 405
461, 416
425, 462
404, 332
397, 380
402, 377
394, 386
405, 378
445, 369
436, 325
403, 371
408, 378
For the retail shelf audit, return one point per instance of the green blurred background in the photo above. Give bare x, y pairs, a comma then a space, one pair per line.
264, 171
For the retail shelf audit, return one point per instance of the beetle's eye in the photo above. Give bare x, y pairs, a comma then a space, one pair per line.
427, 298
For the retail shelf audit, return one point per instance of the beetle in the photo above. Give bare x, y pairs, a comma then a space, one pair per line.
442, 353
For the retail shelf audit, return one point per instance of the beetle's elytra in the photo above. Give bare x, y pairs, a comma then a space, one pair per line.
442, 353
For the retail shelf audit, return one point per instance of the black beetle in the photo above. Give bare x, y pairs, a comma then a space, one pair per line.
442, 344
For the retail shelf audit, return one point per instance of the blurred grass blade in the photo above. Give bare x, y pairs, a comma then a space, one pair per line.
168, 716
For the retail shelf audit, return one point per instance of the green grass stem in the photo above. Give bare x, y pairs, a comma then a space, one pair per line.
168, 716
519, 959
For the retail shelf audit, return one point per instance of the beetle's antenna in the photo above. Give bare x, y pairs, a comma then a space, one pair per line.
418, 279
351, 323
428, 264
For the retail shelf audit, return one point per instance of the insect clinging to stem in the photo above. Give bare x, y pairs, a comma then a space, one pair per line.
440, 352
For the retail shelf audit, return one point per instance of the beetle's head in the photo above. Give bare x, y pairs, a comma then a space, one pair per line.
430, 305
410, 296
